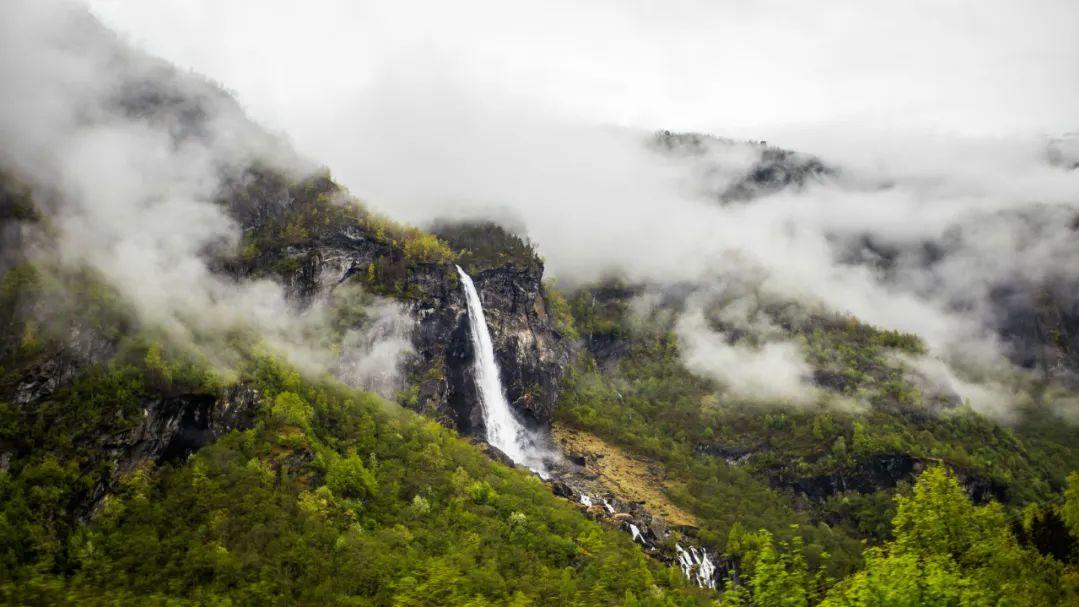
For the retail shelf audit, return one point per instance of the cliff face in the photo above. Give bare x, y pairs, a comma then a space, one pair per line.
122, 427
347, 249
530, 351
171, 428
1040, 326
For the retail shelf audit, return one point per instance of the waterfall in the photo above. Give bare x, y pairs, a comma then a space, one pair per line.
697, 566
504, 430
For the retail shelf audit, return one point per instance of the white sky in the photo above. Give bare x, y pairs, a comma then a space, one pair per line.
750, 69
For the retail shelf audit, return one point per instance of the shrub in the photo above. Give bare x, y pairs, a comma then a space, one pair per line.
289, 408
348, 477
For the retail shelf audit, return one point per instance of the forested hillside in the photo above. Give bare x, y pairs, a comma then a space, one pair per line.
822, 479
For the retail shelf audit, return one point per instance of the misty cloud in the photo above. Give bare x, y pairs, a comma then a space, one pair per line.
769, 371
127, 154
914, 234
916, 229
370, 356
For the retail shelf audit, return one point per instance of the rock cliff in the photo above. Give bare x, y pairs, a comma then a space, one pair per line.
531, 351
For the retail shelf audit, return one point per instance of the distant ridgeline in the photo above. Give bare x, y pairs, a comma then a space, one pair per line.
771, 169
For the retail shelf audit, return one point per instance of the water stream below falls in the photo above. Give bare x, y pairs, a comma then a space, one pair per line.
509, 435
503, 430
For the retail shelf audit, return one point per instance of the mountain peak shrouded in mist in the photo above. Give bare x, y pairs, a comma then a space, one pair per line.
772, 170
602, 364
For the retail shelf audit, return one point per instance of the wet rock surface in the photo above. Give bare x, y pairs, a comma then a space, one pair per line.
674, 545
530, 353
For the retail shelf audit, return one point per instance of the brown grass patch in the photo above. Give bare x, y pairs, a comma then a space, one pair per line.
629, 478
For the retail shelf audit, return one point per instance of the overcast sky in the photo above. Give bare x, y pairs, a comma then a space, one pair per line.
749, 69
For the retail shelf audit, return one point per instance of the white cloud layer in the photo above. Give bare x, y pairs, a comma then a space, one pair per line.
937, 115
129, 190
750, 69
773, 370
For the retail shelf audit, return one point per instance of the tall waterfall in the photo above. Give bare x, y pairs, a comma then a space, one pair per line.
504, 430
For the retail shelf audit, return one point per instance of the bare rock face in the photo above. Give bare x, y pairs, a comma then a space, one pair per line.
530, 352
176, 426
44, 376
1042, 328
172, 428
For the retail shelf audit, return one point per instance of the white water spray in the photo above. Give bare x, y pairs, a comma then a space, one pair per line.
504, 430
697, 566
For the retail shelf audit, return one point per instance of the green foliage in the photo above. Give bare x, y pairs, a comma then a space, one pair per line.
602, 312
772, 574
946, 552
284, 230
289, 408
780, 576
421, 247
294, 233
335, 498
643, 398
1070, 510
157, 371
655, 408
348, 477
560, 311
485, 244
856, 358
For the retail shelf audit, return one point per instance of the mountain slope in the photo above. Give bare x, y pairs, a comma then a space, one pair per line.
175, 436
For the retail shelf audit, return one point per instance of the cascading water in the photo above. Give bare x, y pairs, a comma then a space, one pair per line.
697, 566
510, 436
504, 430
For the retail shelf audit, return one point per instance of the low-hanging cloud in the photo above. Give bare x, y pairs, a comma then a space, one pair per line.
126, 155
774, 370
917, 234
916, 230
